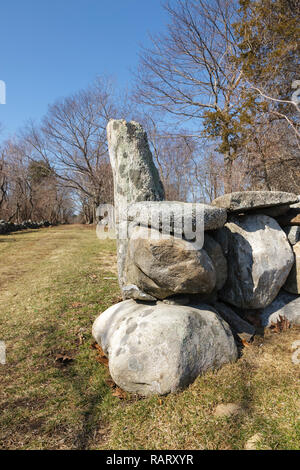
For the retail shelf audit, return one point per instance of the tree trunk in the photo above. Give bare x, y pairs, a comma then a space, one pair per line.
227, 173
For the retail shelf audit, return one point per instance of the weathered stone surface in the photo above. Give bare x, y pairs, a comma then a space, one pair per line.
168, 216
259, 260
292, 284
214, 251
285, 305
157, 349
164, 267
248, 200
224, 410
293, 234
242, 328
133, 292
135, 176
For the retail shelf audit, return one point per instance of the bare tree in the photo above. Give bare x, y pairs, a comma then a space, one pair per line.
29, 189
73, 138
272, 155
189, 73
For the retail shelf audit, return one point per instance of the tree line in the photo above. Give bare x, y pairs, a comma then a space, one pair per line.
217, 94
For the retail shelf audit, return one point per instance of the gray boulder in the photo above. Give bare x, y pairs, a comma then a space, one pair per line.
293, 234
249, 200
274, 211
157, 349
292, 284
135, 176
164, 267
285, 305
259, 260
242, 328
131, 291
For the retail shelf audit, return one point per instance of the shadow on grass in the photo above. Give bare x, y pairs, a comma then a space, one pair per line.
75, 377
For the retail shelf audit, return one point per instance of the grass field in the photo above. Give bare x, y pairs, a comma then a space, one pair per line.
54, 394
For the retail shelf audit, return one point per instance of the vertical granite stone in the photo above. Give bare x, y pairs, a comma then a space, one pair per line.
136, 178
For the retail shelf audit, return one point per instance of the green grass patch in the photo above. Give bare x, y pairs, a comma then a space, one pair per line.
53, 284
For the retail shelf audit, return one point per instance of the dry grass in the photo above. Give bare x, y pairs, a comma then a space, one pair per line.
53, 283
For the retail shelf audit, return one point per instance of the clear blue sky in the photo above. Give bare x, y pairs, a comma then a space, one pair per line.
51, 48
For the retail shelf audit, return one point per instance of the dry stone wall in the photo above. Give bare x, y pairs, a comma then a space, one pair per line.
187, 292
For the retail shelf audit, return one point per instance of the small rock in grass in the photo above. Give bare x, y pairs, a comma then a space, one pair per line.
228, 409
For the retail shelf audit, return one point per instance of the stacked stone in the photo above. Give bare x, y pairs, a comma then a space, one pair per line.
8, 227
189, 273
261, 241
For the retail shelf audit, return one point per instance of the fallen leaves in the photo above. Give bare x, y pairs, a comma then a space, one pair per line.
116, 391
101, 357
119, 393
281, 325
63, 359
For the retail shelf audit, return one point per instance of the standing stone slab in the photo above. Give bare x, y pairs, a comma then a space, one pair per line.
249, 200
135, 176
292, 284
259, 260
157, 349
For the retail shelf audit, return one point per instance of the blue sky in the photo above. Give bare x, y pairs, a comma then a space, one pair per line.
51, 48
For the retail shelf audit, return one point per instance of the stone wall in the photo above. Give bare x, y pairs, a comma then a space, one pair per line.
188, 296
8, 227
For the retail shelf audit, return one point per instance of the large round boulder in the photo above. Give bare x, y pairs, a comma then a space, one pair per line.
160, 348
